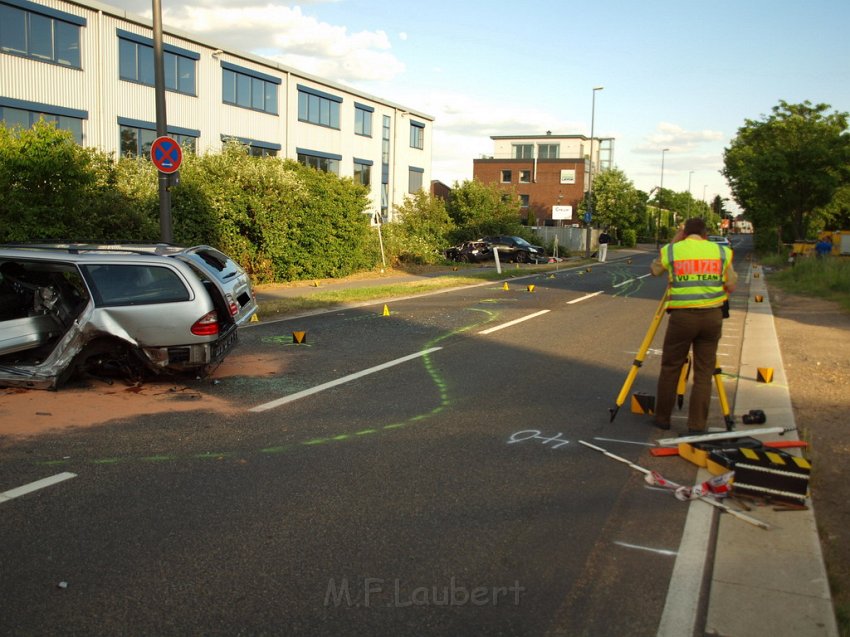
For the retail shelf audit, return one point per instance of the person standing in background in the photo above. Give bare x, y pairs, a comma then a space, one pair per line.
604, 240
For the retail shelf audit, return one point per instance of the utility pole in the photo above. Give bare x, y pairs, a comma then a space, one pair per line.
165, 231
588, 208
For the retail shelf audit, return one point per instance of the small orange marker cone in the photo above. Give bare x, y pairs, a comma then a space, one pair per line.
759, 298
386, 310
765, 374
505, 286
299, 337
255, 318
531, 287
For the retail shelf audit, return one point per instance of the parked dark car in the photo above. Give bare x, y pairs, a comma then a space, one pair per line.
116, 310
470, 252
517, 249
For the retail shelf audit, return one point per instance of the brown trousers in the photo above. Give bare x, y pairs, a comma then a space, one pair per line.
686, 328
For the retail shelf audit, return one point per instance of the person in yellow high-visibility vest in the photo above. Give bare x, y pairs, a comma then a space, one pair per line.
701, 277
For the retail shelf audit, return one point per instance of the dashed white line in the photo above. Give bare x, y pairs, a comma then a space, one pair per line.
585, 297
340, 381
637, 278
646, 548
514, 322
35, 486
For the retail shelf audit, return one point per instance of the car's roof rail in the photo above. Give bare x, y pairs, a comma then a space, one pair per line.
79, 248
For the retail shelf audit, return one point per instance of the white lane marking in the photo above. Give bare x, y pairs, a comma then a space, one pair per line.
646, 548
340, 381
585, 297
35, 486
510, 323
637, 278
628, 442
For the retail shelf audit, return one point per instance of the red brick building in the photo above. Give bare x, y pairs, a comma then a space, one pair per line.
549, 173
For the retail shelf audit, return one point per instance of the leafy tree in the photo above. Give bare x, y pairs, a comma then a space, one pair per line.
786, 168
55, 190
617, 204
422, 231
479, 210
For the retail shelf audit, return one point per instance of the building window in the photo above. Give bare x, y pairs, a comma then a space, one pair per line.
417, 135
135, 63
247, 88
326, 162
525, 176
414, 180
523, 201
254, 147
41, 33
548, 151
363, 119
385, 167
317, 107
137, 137
506, 176
363, 172
17, 113
522, 151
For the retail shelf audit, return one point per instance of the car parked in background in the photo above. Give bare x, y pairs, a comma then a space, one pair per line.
116, 310
517, 249
720, 239
470, 252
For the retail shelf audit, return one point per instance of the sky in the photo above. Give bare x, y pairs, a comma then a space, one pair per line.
677, 74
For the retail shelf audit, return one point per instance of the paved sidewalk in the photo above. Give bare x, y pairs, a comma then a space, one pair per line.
773, 582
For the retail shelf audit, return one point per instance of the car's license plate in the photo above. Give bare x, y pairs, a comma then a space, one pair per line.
224, 344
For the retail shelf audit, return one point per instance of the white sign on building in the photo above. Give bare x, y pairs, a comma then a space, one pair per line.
568, 175
562, 212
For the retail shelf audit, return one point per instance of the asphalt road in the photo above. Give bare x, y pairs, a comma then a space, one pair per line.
410, 474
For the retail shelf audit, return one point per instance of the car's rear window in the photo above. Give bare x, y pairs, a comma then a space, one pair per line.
135, 284
218, 264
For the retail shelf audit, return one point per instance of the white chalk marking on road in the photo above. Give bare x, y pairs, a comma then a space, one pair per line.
35, 486
585, 297
628, 442
341, 381
646, 548
510, 323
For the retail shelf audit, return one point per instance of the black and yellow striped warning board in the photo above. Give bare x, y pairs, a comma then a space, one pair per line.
765, 472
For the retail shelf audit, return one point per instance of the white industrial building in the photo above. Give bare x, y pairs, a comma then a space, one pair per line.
89, 67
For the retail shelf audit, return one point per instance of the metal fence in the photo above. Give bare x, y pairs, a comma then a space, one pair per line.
570, 239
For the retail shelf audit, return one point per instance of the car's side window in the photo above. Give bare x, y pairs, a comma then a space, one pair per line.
135, 285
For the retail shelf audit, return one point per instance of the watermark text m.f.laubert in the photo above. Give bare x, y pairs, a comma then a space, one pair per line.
377, 591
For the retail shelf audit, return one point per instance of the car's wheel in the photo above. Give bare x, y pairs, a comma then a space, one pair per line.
521, 257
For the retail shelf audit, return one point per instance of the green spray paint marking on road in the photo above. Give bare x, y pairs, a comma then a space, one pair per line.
428, 363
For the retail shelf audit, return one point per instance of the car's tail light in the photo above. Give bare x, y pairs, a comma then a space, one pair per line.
207, 325
234, 309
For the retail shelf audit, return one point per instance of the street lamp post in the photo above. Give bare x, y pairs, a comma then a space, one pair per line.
588, 211
660, 195
690, 174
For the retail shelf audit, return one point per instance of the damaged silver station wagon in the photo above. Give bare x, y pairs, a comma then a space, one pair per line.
116, 311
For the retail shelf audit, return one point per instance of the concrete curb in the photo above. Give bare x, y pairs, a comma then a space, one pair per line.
770, 582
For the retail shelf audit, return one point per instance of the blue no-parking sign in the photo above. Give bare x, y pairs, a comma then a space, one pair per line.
166, 155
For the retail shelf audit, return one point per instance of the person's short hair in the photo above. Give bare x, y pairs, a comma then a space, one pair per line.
695, 225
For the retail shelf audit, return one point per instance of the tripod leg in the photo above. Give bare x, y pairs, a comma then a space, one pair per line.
683, 382
639, 357
724, 402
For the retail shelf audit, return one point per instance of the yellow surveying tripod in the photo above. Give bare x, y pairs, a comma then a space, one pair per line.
640, 356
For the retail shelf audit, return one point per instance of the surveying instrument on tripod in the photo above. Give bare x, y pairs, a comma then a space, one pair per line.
649, 406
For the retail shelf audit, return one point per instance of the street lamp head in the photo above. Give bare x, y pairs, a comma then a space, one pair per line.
664, 150
598, 88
